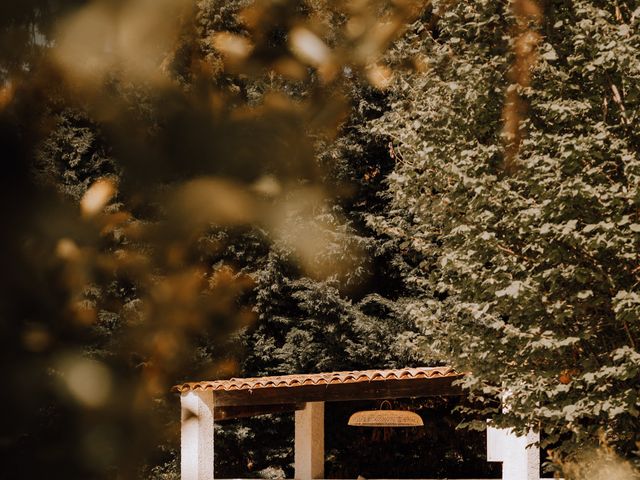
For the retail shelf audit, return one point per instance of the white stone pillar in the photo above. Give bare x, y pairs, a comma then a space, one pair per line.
518, 461
196, 439
309, 442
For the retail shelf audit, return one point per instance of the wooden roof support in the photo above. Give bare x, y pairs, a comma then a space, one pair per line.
243, 411
373, 390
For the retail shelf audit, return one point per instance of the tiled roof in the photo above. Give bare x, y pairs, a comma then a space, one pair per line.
289, 381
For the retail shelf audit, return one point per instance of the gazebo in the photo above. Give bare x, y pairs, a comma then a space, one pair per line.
204, 402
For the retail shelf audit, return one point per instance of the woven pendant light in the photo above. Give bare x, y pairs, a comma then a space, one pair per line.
385, 418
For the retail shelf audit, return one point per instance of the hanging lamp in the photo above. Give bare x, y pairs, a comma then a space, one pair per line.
385, 418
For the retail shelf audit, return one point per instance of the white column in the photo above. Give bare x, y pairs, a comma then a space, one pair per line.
309, 442
518, 461
196, 439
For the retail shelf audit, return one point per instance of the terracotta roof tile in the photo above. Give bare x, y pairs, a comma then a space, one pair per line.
292, 381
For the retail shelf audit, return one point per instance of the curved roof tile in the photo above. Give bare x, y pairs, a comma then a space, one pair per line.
299, 380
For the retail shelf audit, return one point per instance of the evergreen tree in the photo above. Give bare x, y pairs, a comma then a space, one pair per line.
142, 111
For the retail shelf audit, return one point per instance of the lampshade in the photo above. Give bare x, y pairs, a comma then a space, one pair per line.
385, 418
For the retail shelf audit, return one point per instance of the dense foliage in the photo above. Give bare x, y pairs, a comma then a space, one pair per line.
529, 275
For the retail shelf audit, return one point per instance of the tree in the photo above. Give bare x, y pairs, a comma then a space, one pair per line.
528, 272
141, 111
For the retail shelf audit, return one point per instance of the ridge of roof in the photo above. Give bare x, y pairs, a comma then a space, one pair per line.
326, 378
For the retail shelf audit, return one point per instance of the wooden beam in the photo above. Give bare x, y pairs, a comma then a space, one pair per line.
243, 411
373, 390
